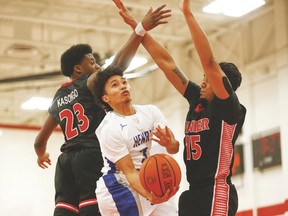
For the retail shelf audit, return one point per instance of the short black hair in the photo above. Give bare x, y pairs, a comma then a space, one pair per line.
100, 81
73, 56
232, 73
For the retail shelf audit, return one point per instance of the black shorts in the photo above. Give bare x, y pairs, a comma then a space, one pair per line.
75, 177
198, 202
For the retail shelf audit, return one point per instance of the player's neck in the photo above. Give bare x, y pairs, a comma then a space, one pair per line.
125, 110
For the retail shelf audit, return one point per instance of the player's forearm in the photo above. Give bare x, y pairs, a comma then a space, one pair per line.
166, 63
159, 54
134, 181
40, 148
127, 52
203, 48
199, 38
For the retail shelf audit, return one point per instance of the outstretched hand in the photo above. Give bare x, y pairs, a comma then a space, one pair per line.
165, 138
44, 161
155, 18
151, 19
125, 14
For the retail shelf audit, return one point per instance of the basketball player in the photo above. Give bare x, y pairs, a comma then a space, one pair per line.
213, 122
125, 137
74, 109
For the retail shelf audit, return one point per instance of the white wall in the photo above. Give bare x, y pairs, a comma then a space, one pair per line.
25, 188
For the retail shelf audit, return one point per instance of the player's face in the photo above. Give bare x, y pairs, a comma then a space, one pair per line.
206, 91
117, 91
88, 64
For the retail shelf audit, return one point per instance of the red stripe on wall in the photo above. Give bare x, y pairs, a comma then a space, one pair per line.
272, 210
277, 209
245, 213
24, 127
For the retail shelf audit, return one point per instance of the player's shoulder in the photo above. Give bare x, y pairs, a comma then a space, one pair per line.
109, 126
78, 82
146, 108
109, 122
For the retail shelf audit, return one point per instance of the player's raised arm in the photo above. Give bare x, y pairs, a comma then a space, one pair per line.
160, 55
152, 19
211, 68
124, 56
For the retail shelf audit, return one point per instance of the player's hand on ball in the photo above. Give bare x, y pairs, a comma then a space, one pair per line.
169, 193
174, 191
44, 161
160, 176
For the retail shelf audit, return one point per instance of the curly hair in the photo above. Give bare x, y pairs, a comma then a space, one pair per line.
100, 82
73, 56
232, 73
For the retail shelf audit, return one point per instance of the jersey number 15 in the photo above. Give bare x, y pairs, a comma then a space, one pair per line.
193, 149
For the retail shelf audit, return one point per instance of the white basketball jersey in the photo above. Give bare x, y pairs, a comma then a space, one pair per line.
119, 136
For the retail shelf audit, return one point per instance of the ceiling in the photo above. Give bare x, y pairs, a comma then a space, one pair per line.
34, 34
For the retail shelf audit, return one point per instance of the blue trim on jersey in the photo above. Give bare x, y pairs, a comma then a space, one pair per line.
122, 196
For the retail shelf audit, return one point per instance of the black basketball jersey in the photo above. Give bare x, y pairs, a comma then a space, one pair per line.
210, 135
77, 113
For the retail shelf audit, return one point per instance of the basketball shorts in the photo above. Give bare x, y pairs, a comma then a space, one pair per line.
117, 198
75, 182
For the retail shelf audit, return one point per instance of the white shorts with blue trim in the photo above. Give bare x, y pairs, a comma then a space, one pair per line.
117, 198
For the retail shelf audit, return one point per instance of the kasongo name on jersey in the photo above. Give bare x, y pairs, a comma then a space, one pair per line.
68, 98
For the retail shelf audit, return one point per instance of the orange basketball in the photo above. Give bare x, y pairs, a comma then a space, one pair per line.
160, 172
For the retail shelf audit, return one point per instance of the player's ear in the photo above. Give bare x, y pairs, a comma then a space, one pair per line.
77, 68
105, 98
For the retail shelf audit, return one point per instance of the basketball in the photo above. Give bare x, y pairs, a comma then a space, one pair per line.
159, 173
